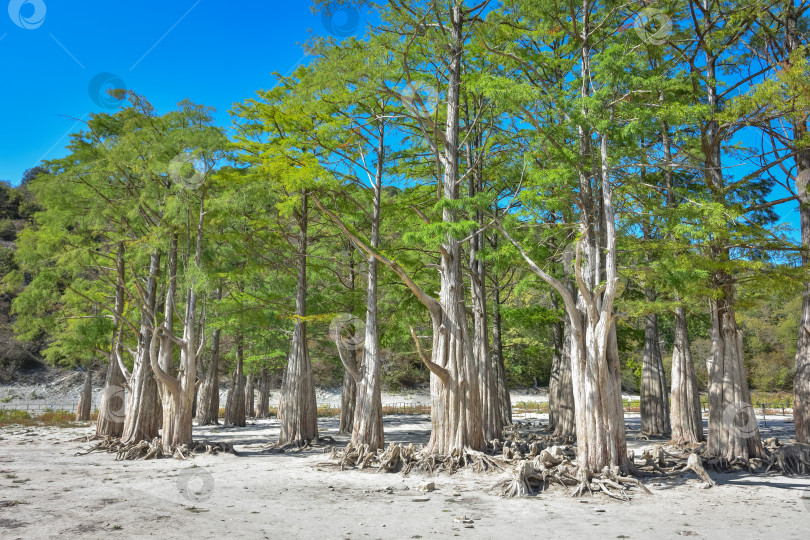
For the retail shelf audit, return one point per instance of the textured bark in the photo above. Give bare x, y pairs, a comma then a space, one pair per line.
654, 405
801, 373
491, 414
143, 406
348, 397
561, 390
250, 398
208, 406
733, 428
685, 413
112, 402
263, 409
456, 414
504, 399
297, 409
236, 397
85, 398
166, 351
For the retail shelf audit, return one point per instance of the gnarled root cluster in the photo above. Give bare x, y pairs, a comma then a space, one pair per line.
154, 449
406, 459
792, 459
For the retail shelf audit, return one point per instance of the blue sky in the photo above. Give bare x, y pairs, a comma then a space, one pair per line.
210, 51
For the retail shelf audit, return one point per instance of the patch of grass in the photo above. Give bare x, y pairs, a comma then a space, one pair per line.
34, 395
61, 419
13, 416
54, 417
117, 527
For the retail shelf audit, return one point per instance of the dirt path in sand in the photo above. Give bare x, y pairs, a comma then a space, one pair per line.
48, 492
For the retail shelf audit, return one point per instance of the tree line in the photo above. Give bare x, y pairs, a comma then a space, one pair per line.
603, 166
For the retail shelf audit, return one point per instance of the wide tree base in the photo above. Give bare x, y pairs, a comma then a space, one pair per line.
153, 449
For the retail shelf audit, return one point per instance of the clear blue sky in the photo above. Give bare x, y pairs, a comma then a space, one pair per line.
210, 51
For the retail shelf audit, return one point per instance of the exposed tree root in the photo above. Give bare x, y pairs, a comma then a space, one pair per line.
154, 449
793, 459
407, 459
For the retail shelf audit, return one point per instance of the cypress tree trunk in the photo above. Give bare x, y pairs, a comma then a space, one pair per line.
208, 398
297, 409
561, 390
143, 406
801, 373
250, 398
263, 410
112, 402
85, 398
166, 351
654, 406
686, 416
733, 429
491, 414
504, 399
348, 396
236, 402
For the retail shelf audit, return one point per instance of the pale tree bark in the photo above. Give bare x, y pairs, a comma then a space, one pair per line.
561, 390
208, 398
654, 405
368, 424
491, 414
236, 396
297, 409
685, 412
263, 409
166, 346
112, 403
504, 399
733, 430
250, 397
348, 395
182, 387
143, 406
85, 398
455, 395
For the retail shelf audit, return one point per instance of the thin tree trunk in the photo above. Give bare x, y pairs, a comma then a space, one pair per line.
685, 413
166, 351
504, 399
250, 398
348, 395
112, 402
143, 406
208, 406
236, 404
263, 410
297, 410
85, 398
561, 390
654, 406
491, 419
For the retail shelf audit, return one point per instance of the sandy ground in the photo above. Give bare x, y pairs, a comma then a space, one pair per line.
48, 492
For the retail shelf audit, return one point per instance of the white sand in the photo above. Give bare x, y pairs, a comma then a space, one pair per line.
47, 492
